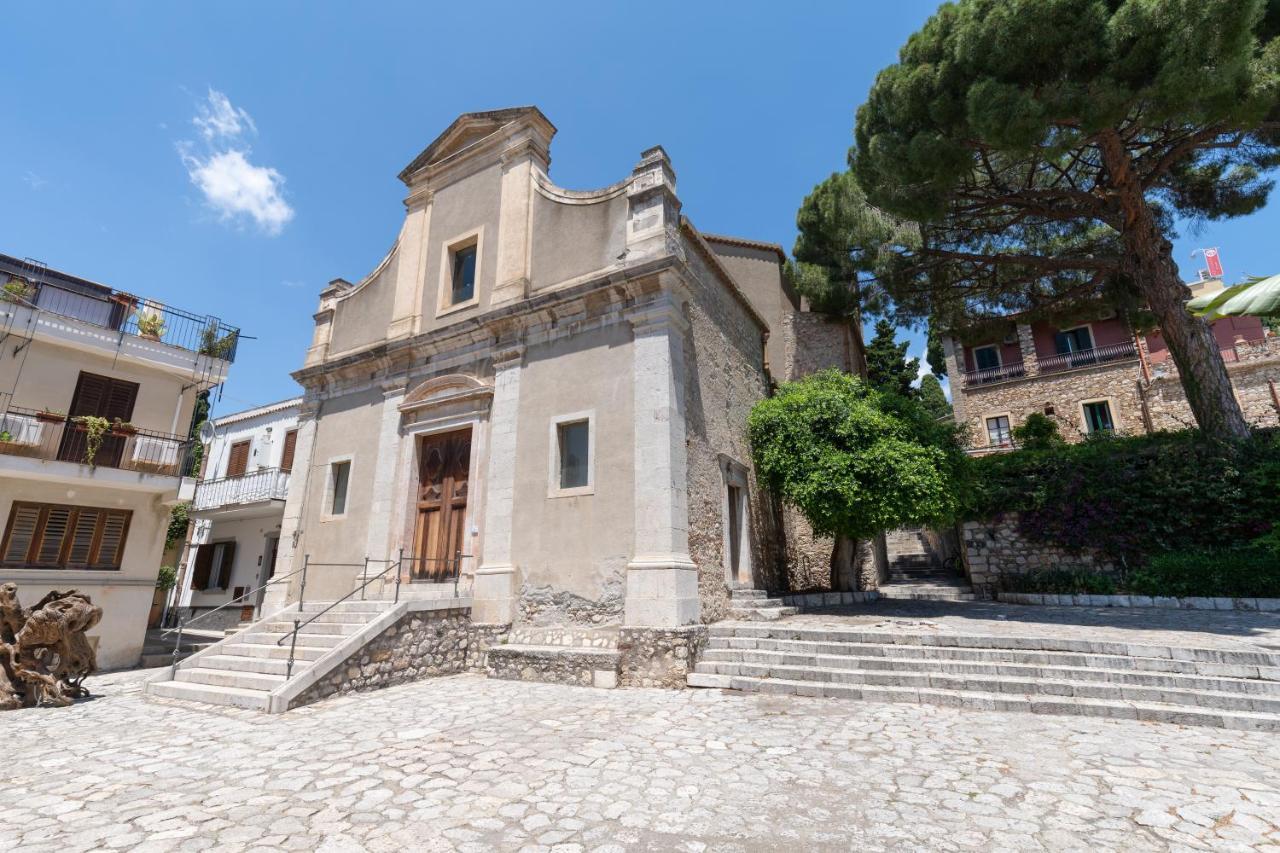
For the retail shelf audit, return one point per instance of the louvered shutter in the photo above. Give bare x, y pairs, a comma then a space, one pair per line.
239, 459
91, 395
224, 565
23, 520
83, 530
204, 563
121, 396
57, 523
115, 528
290, 442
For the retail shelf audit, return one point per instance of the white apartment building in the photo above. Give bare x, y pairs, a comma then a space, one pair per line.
236, 513
97, 389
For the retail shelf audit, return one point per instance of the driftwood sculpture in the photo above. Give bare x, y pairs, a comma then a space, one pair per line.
44, 653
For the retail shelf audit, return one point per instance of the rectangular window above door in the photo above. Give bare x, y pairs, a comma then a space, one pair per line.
464, 275
574, 444
339, 477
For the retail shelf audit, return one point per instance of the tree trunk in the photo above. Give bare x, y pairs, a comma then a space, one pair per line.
1148, 260
843, 553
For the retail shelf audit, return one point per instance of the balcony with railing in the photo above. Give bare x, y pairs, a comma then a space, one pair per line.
121, 312
1088, 357
252, 487
52, 437
992, 375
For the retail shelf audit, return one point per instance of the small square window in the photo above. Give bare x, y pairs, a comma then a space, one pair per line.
464, 275
1097, 417
998, 432
573, 440
339, 475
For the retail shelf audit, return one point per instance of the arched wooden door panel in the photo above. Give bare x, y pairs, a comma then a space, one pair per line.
444, 462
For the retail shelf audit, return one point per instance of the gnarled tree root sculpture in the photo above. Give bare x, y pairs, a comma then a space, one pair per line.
44, 654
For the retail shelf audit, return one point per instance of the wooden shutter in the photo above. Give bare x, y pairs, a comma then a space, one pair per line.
23, 520
290, 443
84, 532
103, 397
203, 565
53, 533
239, 461
223, 576
114, 529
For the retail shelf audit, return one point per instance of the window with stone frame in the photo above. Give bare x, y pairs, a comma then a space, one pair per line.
999, 433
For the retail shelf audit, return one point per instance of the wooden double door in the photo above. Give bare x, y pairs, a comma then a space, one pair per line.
444, 463
101, 397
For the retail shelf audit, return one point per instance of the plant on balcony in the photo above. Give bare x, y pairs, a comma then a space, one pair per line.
211, 344
94, 429
150, 324
16, 290
5, 435
123, 429
50, 417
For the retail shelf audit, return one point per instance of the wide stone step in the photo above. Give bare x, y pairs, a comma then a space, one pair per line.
942, 666
1225, 701
339, 628
240, 663
256, 700
930, 596
283, 638
762, 614
1103, 659
741, 594
836, 635
355, 606
986, 701
588, 667
260, 650
756, 603
346, 617
231, 678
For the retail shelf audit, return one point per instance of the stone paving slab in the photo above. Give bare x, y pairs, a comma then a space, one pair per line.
468, 764
1225, 629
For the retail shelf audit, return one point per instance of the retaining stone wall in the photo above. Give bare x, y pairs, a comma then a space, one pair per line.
569, 665
997, 547
1188, 603
659, 657
420, 644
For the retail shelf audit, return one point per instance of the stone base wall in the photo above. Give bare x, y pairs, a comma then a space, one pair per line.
546, 605
420, 645
659, 657
996, 548
585, 667
1256, 380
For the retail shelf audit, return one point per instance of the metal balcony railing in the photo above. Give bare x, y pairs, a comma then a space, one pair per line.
994, 374
125, 313
57, 438
1088, 357
264, 484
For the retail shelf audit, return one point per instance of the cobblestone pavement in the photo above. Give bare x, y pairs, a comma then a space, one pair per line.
1234, 629
463, 763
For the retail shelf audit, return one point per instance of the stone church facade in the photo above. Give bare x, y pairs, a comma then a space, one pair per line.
541, 395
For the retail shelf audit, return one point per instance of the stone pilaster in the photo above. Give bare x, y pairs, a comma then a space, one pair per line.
289, 554
411, 272
662, 580
515, 221
495, 592
652, 206
386, 466
1027, 344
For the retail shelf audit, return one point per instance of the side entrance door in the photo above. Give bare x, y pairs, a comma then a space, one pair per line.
443, 465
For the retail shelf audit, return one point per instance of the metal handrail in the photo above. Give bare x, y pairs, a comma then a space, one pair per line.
397, 564
183, 624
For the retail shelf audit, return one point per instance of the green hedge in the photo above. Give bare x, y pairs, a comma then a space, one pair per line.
1134, 497
1242, 573
1061, 582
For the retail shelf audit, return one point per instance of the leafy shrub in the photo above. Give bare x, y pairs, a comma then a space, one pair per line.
1251, 572
167, 578
1061, 582
855, 460
1038, 432
1131, 497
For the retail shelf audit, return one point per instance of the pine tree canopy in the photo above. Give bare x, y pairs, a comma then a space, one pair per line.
888, 367
1046, 148
933, 398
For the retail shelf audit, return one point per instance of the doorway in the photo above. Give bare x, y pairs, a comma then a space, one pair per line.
444, 464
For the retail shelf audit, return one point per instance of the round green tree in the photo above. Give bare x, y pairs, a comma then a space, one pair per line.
854, 460
1046, 148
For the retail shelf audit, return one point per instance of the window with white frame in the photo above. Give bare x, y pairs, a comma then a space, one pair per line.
573, 455
999, 433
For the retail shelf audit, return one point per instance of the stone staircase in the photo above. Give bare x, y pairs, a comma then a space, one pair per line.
915, 574
1225, 688
557, 655
755, 605
248, 669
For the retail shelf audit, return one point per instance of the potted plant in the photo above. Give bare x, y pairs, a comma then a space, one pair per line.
150, 324
124, 429
50, 417
16, 290
94, 429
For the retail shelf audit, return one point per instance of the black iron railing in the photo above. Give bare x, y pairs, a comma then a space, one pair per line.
130, 315
51, 436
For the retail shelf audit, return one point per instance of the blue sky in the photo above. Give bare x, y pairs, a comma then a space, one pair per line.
232, 158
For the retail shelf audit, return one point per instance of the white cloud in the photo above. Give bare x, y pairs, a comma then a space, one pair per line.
218, 118
922, 372
290, 283
232, 185
33, 180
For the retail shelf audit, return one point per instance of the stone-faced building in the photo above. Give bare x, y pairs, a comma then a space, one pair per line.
1097, 376
544, 393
